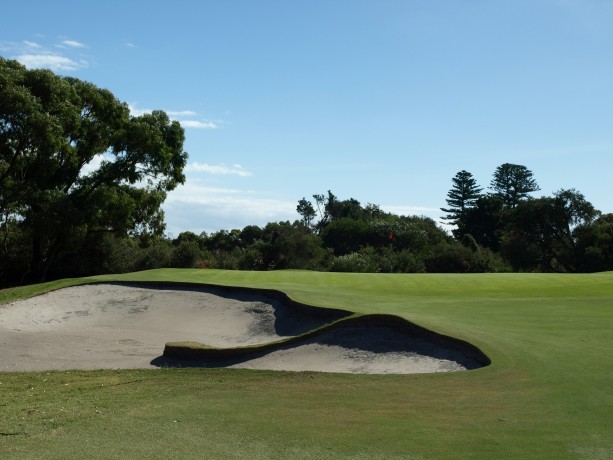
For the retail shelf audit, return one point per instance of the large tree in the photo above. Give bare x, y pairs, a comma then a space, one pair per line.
512, 183
462, 196
594, 251
542, 234
73, 161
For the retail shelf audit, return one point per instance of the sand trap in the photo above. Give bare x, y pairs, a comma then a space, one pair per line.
121, 326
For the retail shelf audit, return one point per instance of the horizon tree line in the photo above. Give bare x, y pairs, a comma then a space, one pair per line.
82, 182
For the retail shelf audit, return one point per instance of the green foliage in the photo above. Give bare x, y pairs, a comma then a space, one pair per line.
158, 254
450, 259
52, 131
354, 262
286, 245
540, 234
469, 241
186, 254
463, 195
345, 235
512, 183
486, 222
250, 234
595, 245
307, 211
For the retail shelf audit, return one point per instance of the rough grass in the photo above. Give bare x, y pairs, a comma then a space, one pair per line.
547, 393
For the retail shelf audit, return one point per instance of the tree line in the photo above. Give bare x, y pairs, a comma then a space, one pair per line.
558, 233
82, 182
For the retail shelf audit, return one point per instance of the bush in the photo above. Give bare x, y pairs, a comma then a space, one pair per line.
157, 255
354, 262
185, 255
450, 258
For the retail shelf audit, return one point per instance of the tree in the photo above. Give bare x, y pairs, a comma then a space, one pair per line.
485, 221
330, 208
512, 183
595, 245
307, 211
74, 162
541, 234
463, 195
345, 235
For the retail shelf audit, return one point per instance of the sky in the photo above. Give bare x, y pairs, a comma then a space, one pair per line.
383, 101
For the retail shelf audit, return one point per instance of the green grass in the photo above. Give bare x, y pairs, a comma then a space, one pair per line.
547, 394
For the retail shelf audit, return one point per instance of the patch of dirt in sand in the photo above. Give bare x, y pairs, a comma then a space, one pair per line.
126, 326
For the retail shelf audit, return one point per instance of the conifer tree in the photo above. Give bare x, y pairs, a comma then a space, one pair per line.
512, 183
462, 196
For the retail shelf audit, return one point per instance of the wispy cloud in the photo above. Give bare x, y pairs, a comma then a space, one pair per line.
34, 54
137, 112
33, 45
409, 210
181, 113
177, 115
218, 169
196, 208
55, 62
73, 44
197, 124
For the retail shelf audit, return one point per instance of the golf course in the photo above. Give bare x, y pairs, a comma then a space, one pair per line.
547, 391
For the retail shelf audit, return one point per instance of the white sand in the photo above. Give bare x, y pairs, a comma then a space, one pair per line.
117, 326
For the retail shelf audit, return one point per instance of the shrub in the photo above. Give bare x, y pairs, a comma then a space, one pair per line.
354, 262
185, 254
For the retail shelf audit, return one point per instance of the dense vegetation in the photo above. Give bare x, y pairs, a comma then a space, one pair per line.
76, 171
82, 182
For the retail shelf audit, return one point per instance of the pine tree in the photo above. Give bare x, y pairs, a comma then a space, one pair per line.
463, 195
512, 183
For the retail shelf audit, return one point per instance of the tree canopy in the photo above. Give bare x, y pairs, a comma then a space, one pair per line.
512, 183
73, 161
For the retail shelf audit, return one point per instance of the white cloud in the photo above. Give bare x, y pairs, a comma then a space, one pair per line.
181, 113
35, 55
196, 208
409, 210
30, 44
73, 44
136, 112
218, 169
92, 166
197, 124
55, 62
130, 45
177, 115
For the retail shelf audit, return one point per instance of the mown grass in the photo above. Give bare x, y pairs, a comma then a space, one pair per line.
547, 394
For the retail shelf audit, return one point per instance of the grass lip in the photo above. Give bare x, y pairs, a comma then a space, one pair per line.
196, 354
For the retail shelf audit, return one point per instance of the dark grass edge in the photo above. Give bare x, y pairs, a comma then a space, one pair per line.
194, 351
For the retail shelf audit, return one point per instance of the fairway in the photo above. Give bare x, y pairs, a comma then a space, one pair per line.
546, 394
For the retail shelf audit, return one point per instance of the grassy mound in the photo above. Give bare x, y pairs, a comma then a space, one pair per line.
429, 342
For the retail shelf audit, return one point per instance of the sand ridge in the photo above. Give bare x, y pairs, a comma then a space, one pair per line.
126, 326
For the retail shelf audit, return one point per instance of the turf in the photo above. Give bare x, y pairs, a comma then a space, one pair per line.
547, 394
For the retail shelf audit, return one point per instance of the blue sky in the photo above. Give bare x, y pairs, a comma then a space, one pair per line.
382, 101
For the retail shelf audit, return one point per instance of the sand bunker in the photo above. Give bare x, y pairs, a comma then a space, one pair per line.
126, 326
